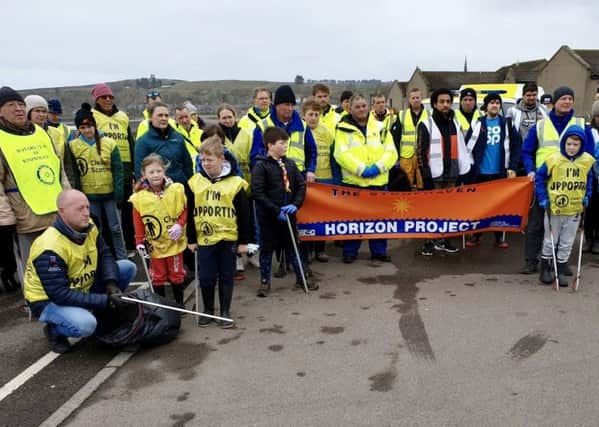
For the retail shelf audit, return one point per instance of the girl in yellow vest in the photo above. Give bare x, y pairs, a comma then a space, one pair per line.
220, 211
159, 218
98, 173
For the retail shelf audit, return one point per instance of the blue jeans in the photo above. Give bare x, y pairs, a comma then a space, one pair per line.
108, 206
79, 322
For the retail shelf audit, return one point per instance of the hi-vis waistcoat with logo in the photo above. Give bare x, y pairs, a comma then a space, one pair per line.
81, 261
214, 214
95, 170
567, 182
549, 139
115, 127
158, 215
408, 132
35, 165
295, 146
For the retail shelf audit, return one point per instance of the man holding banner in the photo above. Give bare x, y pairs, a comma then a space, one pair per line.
442, 155
365, 156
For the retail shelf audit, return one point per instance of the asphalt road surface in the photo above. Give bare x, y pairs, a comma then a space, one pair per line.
454, 340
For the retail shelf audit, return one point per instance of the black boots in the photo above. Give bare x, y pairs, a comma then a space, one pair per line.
58, 343
178, 293
547, 275
159, 290
225, 294
208, 301
562, 268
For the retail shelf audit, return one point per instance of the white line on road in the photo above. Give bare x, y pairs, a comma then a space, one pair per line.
89, 388
8, 388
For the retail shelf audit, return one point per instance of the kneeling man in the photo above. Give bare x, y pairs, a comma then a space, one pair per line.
71, 273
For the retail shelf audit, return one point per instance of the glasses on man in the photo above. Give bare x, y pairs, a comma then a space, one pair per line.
152, 95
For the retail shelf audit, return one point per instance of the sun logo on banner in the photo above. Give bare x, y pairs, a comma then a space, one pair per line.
401, 206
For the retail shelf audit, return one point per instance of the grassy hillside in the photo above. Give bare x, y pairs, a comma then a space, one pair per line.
206, 95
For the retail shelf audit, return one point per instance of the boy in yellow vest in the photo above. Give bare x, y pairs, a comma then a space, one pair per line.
563, 185
220, 211
312, 114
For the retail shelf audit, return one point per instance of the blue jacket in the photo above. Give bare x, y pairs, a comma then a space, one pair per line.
531, 143
478, 151
56, 282
542, 175
171, 147
295, 124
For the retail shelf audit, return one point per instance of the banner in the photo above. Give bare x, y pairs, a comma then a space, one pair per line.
334, 212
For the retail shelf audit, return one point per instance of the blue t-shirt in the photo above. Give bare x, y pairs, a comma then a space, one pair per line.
492, 156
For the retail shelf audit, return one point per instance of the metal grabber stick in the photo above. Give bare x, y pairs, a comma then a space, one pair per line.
576, 281
556, 284
197, 289
297, 255
144, 256
181, 310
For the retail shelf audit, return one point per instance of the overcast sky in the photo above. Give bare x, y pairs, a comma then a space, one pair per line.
62, 43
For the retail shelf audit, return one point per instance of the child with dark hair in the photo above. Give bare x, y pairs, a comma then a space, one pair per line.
279, 191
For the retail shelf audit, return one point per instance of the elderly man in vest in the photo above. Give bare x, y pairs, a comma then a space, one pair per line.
443, 158
541, 141
365, 155
71, 273
31, 175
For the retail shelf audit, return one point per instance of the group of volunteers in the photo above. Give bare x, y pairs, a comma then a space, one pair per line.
186, 194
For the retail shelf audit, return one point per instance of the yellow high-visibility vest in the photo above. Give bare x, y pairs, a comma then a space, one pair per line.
549, 139
465, 125
214, 213
567, 182
354, 152
158, 215
408, 132
81, 261
35, 167
324, 139
95, 170
115, 127
295, 146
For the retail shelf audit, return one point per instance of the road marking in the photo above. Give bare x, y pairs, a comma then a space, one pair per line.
71, 405
8, 388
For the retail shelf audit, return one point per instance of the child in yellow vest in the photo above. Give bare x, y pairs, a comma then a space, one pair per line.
220, 211
98, 173
563, 185
159, 218
311, 113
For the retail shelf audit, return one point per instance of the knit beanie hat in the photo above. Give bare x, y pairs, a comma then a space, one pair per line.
8, 94
284, 94
346, 94
84, 116
34, 101
54, 106
467, 92
562, 91
101, 89
491, 97
546, 99
595, 109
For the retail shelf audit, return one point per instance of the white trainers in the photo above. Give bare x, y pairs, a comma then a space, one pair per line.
254, 259
240, 263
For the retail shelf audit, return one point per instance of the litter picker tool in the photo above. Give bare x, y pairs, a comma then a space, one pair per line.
144, 257
556, 284
197, 289
181, 310
297, 255
576, 281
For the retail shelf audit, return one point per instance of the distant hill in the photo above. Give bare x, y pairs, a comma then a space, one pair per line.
206, 95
